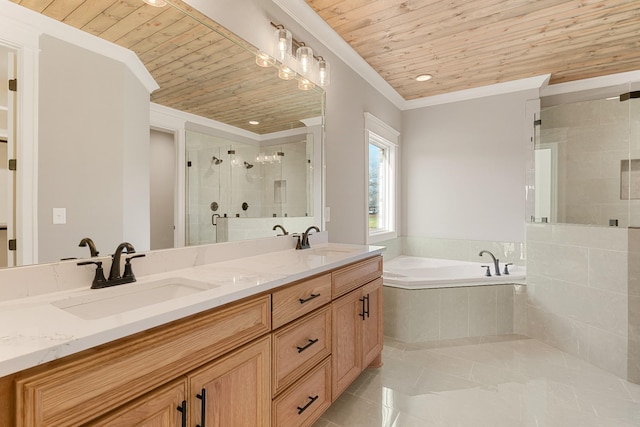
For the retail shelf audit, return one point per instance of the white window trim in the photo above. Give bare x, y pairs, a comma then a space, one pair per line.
376, 126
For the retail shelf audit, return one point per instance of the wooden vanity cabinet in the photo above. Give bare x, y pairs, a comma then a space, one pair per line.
164, 407
235, 390
224, 367
357, 335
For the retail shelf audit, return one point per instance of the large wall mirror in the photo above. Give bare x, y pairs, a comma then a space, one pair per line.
240, 140
587, 158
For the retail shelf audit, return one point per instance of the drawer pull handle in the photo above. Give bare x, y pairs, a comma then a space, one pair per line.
364, 310
309, 403
203, 407
183, 410
302, 301
311, 342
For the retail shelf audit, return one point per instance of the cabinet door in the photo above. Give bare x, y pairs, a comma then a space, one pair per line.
372, 334
234, 390
164, 407
346, 351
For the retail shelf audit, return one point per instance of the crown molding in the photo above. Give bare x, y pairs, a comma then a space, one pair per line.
592, 83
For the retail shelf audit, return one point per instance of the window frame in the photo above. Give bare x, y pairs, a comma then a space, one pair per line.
385, 137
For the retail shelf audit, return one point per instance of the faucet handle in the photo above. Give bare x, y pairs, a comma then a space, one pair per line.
98, 279
128, 270
299, 241
506, 268
488, 272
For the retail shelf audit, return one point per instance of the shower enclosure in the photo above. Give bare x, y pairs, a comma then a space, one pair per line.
228, 179
587, 158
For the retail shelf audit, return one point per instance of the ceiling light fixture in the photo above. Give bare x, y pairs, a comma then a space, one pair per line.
156, 3
424, 77
254, 122
295, 59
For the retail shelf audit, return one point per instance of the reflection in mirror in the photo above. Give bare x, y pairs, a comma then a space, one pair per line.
586, 159
228, 181
93, 156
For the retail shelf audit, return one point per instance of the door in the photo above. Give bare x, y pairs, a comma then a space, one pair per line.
7, 152
234, 390
162, 189
372, 334
164, 407
346, 357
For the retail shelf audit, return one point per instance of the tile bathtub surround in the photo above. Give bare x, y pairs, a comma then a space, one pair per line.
414, 315
582, 293
494, 381
21, 282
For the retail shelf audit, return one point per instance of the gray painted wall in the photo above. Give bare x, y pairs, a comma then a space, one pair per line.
93, 124
463, 169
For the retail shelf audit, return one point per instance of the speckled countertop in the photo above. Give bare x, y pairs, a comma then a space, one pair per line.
38, 329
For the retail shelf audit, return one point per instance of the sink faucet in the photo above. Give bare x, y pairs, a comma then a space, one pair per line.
496, 265
114, 279
304, 244
114, 273
92, 247
285, 232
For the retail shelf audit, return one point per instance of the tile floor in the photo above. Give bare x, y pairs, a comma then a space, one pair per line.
491, 381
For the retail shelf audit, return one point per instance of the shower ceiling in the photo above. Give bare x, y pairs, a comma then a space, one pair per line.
466, 44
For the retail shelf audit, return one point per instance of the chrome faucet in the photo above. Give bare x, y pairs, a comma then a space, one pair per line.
304, 244
92, 247
496, 264
285, 232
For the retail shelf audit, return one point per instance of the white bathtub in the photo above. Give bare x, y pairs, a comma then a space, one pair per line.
409, 272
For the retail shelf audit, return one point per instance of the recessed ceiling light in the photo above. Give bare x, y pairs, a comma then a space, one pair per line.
254, 122
156, 3
424, 77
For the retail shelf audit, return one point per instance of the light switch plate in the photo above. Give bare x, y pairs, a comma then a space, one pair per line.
59, 215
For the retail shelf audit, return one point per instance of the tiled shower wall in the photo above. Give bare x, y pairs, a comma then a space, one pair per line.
583, 295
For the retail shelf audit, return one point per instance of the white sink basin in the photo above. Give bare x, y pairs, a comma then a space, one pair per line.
119, 299
331, 251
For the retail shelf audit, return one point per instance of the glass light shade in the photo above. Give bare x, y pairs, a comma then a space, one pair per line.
304, 56
286, 73
304, 84
156, 3
282, 43
263, 59
324, 73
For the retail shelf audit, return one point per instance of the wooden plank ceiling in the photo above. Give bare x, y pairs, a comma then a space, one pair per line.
201, 67
471, 43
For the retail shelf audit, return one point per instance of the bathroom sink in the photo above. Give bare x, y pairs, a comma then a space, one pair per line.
119, 299
330, 251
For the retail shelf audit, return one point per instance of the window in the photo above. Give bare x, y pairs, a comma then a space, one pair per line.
381, 179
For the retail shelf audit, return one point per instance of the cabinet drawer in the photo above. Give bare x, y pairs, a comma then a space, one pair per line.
299, 346
306, 401
77, 389
355, 275
299, 299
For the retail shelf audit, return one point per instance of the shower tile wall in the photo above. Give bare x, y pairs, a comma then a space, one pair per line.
592, 138
579, 295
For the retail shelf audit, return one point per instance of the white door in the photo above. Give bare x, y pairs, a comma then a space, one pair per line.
7, 152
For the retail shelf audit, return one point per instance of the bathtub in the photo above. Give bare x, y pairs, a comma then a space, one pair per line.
409, 272
428, 299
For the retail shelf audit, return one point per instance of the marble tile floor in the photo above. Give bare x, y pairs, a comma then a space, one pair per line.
490, 381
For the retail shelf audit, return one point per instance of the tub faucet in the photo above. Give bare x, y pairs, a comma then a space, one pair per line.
305, 237
496, 264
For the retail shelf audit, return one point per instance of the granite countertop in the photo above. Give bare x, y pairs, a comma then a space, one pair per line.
38, 329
